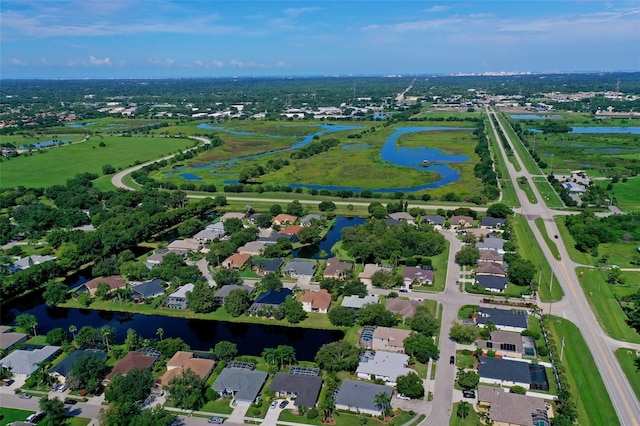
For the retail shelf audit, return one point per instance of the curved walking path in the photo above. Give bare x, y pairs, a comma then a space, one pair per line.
575, 306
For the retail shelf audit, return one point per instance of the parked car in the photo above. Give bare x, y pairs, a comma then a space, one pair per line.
25, 396
9, 382
217, 420
469, 394
62, 388
284, 403
56, 387
274, 404
403, 290
402, 396
452, 360
70, 401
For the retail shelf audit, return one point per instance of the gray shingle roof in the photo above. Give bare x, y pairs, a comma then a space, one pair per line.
246, 384
225, 290
434, 220
26, 362
149, 289
360, 395
504, 369
307, 388
301, 267
492, 221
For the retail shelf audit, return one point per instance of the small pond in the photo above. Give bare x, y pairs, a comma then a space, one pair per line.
322, 250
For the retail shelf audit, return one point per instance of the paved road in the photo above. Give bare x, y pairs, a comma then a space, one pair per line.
575, 306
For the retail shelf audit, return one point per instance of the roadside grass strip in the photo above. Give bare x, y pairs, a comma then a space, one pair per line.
626, 358
548, 194
550, 243
585, 384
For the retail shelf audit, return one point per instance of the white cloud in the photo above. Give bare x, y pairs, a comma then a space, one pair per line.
293, 11
161, 62
96, 61
16, 61
437, 8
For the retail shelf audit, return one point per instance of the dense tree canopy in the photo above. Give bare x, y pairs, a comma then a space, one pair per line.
187, 390
338, 356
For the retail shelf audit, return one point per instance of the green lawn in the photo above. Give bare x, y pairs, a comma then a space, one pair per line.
626, 358
524, 185
625, 194
550, 243
529, 249
594, 404
343, 418
55, 166
220, 406
602, 298
526, 158
10, 415
471, 420
570, 244
509, 196
548, 194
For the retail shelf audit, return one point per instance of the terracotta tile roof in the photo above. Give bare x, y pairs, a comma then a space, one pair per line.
236, 260
319, 299
282, 218
183, 361
292, 230
131, 361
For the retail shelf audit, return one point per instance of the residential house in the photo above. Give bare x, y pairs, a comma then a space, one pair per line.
178, 299
406, 308
503, 343
336, 268
23, 363
236, 261
147, 290
232, 215
298, 268
209, 234
490, 256
10, 339
243, 384
292, 230
267, 266
253, 218
492, 283
360, 397
304, 390
270, 299
61, 371
156, 258
283, 219
510, 409
492, 243
370, 269
479, 232
504, 372
225, 290
356, 302
273, 238
183, 361
383, 365
412, 275
182, 247
306, 221
403, 216
457, 222
489, 222
316, 301
114, 282
436, 221
389, 339
27, 262
131, 361
252, 248
392, 222
491, 268
503, 319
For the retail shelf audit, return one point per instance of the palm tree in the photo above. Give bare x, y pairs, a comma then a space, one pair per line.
327, 406
285, 353
160, 332
28, 323
463, 409
383, 402
270, 356
72, 330
106, 332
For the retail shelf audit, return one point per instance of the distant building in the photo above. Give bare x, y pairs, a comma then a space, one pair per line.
27, 262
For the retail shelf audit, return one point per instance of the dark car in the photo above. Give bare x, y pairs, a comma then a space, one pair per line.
284, 403
452, 360
469, 394
70, 401
9, 382
555, 236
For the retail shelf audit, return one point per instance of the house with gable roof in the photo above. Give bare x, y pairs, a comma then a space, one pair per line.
360, 397
316, 301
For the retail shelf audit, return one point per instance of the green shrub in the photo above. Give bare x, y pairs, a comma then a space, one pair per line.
491, 353
465, 352
312, 413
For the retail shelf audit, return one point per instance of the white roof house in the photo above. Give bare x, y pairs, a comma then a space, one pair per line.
23, 363
383, 365
356, 302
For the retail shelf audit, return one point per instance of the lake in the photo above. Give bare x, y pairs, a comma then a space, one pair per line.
533, 116
45, 144
604, 130
322, 250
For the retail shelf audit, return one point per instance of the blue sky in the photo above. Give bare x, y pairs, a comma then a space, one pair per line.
183, 38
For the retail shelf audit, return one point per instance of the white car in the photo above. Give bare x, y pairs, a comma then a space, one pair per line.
401, 396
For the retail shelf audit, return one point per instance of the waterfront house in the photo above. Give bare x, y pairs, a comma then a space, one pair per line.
283, 219
178, 299
291, 230
303, 389
316, 301
147, 290
336, 268
114, 282
308, 219
10, 339
240, 381
403, 216
183, 361
270, 299
360, 397
225, 290
22, 363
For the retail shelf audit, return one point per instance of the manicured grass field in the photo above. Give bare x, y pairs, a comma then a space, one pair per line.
529, 249
55, 166
586, 386
602, 298
10, 415
626, 194
549, 195
525, 186
218, 406
344, 418
570, 244
626, 358
471, 420
550, 243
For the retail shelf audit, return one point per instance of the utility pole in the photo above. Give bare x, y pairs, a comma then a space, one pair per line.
562, 349
551, 284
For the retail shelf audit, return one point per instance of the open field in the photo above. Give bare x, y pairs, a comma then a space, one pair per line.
586, 386
55, 166
603, 300
625, 194
548, 194
527, 161
529, 249
626, 358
